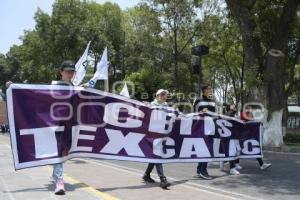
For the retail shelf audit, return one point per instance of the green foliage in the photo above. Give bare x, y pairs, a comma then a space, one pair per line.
63, 36
292, 138
146, 83
150, 44
4, 70
142, 40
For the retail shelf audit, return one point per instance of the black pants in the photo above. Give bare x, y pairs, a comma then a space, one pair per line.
232, 164
259, 160
159, 169
202, 168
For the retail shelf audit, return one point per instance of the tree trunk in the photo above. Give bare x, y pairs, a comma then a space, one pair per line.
275, 93
271, 90
236, 94
242, 78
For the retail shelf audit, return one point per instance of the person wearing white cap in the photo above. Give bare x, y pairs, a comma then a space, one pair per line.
160, 100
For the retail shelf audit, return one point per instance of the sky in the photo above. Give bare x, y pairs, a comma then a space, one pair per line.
17, 16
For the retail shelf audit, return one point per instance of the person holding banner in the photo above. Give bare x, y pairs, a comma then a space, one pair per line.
67, 70
234, 166
161, 97
206, 103
247, 115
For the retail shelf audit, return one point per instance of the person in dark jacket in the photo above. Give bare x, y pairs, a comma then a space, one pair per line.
67, 70
206, 103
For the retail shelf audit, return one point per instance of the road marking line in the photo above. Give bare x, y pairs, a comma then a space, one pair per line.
279, 152
89, 188
195, 186
191, 185
85, 186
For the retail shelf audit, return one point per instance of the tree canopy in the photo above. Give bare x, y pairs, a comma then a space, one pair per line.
150, 45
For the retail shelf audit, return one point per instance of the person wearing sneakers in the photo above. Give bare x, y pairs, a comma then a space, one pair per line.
247, 115
67, 70
205, 103
262, 166
160, 100
234, 167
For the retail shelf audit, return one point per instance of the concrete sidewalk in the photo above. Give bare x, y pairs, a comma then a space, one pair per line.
89, 179
127, 183
109, 180
35, 183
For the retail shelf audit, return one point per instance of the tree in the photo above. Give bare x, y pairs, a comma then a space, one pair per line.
4, 70
63, 36
179, 26
224, 65
142, 47
265, 27
146, 83
103, 28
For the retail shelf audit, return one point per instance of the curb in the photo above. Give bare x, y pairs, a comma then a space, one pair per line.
282, 149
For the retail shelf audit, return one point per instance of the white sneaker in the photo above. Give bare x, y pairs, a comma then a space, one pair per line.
222, 166
238, 166
233, 171
265, 166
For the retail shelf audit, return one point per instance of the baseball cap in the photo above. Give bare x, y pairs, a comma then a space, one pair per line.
67, 65
161, 91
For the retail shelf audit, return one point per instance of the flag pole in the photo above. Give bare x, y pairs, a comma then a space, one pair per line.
106, 85
101, 71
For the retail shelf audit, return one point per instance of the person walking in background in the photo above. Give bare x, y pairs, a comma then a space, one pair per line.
206, 103
234, 166
247, 115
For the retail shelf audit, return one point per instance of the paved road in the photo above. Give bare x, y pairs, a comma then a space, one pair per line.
91, 179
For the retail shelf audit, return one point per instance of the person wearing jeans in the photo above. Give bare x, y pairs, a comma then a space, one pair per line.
67, 70
57, 176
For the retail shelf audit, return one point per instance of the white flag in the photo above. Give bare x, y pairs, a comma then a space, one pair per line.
102, 69
124, 91
81, 66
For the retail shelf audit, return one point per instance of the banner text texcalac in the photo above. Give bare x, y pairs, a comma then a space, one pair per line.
130, 143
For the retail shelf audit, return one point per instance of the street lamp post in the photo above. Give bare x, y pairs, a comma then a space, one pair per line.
197, 52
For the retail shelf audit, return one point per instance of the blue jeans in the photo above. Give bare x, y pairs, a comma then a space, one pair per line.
57, 172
